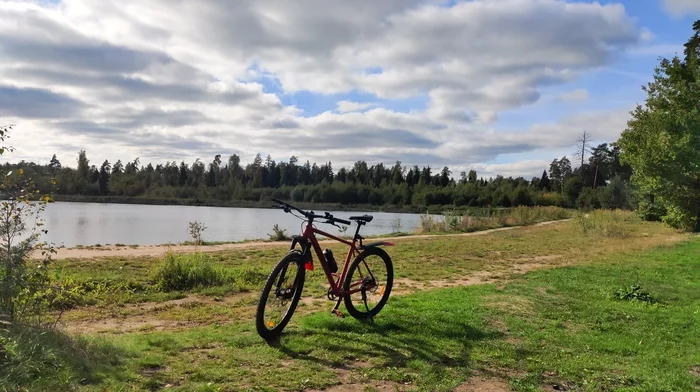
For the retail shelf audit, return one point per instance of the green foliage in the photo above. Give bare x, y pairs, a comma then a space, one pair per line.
633, 293
229, 183
588, 199
519, 216
651, 211
662, 140
278, 234
41, 359
612, 223
23, 280
68, 292
185, 272
196, 229
617, 195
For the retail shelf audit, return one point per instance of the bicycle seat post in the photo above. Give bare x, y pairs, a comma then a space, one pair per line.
357, 235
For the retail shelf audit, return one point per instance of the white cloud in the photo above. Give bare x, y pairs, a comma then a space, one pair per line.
350, 106
163, 80
526, 169
578, 95
681, 7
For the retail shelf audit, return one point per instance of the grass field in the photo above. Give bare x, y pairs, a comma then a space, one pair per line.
601, 303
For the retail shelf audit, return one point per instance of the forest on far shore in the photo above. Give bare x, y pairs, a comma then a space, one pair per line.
600, 180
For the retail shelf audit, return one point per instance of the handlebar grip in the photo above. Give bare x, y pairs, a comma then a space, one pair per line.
343, 221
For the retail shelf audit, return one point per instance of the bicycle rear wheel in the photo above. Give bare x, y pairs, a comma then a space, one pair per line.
280, 296
373, 274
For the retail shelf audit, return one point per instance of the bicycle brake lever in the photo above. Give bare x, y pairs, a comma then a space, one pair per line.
333, 224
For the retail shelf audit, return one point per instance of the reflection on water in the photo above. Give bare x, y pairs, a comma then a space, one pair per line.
74, 224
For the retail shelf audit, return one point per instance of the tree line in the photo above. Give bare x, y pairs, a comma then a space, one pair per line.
601, 180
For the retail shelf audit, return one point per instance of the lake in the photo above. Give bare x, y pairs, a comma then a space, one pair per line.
72, 224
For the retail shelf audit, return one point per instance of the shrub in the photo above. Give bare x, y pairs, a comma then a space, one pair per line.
616, 195
195, 230
633, 293
184, 272
651, 211
587, 199
603, 223
429, 224
518, 216
23, 281
278, 234
452, 220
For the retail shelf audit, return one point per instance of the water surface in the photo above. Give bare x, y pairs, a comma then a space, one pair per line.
74, 224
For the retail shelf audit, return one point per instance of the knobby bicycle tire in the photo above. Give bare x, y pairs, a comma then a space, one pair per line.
263, 331
352, 310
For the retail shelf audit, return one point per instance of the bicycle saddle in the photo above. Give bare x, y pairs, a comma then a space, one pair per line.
362, 218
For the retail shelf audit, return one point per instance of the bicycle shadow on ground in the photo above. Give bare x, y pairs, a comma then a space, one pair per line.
434, 341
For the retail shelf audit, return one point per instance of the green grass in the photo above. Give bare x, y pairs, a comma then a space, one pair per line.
552, 327
417, 259
460, 221
185, 272
583, 327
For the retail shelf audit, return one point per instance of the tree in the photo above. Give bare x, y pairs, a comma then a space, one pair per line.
445, 176
662, 140
471, 177
118, 167
83, 165
559, 171
397, 175
183, 174
104, 177
23, 280
583, 146
544, 181
55, 164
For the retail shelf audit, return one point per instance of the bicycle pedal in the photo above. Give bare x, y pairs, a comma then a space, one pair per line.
338, 313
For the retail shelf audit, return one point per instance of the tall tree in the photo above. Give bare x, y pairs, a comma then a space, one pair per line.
118, 167
445, 176
83, 165
583, 146
55, 164
662, 139
471, 177
104, 178
544, 181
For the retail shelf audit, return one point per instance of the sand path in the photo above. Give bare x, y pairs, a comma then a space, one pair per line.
160, 250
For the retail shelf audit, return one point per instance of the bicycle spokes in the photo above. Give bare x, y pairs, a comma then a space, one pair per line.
368, 282
279, 299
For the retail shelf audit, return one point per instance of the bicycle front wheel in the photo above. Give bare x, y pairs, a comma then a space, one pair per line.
371, 275
280, 296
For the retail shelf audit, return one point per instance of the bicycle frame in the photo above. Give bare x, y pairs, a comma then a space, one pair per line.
309, 233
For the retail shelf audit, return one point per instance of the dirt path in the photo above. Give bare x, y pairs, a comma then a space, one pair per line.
160, 250
156, 316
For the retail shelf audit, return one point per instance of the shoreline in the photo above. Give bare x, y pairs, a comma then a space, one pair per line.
245, 204
161, 250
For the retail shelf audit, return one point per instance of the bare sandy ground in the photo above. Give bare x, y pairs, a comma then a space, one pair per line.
160, 250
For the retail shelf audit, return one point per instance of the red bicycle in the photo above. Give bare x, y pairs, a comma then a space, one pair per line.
356, 280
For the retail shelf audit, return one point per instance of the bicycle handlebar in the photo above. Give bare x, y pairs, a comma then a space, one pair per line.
310, 215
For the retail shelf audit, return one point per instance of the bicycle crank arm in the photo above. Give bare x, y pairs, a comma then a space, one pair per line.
335, 310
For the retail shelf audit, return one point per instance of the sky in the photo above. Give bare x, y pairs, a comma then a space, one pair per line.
499, 86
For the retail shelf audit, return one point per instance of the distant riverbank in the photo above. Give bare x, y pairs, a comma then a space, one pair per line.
410, 209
